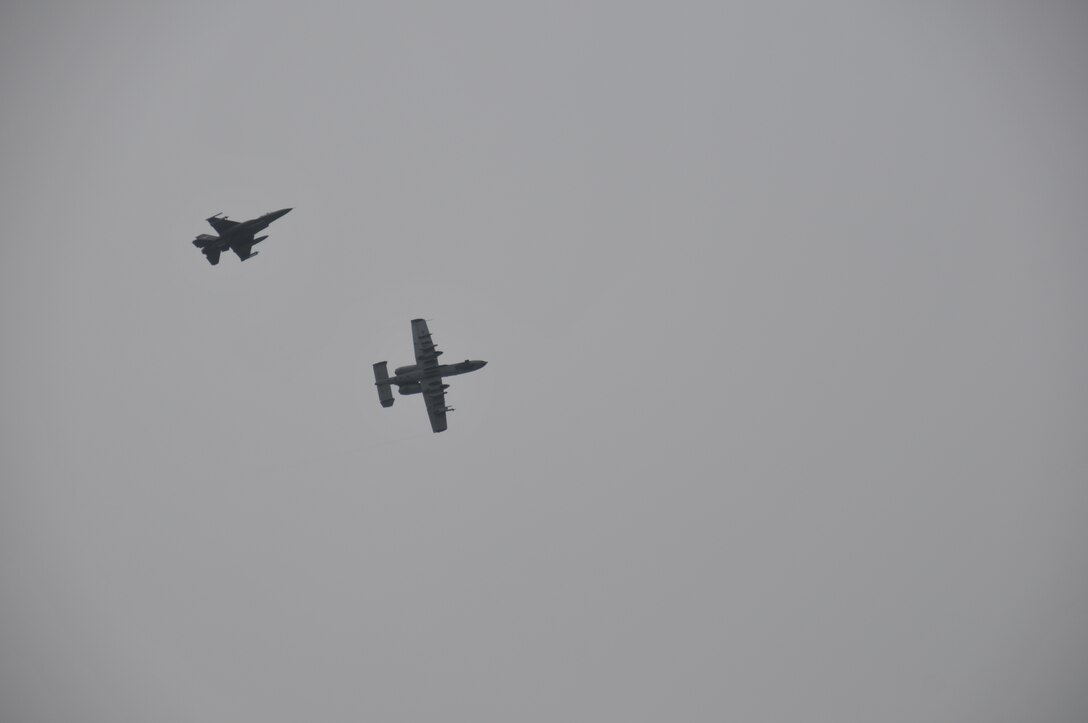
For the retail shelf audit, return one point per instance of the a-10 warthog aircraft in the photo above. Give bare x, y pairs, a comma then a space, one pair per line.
424, 377
234, 235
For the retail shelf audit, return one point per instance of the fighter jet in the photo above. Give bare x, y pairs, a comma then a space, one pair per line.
424, 377
234, 235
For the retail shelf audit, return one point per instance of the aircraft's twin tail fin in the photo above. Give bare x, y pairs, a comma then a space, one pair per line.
381, 380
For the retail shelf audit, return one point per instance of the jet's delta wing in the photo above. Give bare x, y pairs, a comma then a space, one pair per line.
221, 224
244, 249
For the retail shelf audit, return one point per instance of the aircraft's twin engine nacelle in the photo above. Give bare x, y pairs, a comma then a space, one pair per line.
404, 370
413, 388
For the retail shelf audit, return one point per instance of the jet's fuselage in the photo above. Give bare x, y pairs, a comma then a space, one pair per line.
253, 226
412, 373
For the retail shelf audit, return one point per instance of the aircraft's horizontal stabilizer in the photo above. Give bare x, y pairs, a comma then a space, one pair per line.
381, 380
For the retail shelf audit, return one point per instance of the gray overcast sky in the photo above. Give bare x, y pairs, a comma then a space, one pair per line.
786, 414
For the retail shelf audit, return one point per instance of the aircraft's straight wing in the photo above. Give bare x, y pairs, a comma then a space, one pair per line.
426, 352
222, 225
434, 394
243, 248
212, 256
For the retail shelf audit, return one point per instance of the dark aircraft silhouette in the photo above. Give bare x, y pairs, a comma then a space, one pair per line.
424, 377
234, 235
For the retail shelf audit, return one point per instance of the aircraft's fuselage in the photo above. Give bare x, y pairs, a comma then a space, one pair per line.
249, 228
412, 374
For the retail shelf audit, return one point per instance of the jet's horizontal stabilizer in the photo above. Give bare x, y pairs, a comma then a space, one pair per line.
381, 380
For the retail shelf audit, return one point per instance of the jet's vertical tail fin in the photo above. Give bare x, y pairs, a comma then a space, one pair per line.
381, 380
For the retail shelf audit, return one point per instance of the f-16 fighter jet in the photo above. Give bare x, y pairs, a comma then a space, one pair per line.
234, 235
424, 377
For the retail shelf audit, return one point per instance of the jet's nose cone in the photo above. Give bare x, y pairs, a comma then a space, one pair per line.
482, 364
